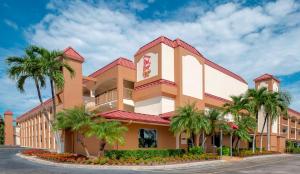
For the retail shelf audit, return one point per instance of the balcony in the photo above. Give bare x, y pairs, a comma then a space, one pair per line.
284, 121
127, 93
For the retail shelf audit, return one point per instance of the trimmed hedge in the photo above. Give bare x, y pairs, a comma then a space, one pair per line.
197, 150
225, 150
143, 154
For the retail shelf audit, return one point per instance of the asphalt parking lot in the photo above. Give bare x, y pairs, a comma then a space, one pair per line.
11, 164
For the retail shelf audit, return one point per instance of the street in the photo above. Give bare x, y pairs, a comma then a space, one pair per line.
11, 164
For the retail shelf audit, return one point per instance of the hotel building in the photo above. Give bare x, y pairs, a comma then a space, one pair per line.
144, 93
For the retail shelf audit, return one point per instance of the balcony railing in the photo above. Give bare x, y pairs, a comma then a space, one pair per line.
127, 93
106, 97
284, 121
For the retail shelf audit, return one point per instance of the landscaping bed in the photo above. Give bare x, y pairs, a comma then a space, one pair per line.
139, 157
130, 157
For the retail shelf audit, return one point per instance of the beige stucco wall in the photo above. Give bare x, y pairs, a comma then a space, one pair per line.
222, 85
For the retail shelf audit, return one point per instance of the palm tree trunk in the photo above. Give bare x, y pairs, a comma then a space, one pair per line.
101, 149
230, 143
221, 144
53, 97
268, 134
254, 142
262, 130
47, 116
56, 133
84, 147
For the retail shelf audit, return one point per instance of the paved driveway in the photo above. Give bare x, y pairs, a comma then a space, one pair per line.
11, 164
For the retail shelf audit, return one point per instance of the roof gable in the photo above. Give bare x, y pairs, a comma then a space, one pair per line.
73, 54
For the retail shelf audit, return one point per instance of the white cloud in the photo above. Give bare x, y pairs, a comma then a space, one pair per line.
137, 5
11, 24
247, 40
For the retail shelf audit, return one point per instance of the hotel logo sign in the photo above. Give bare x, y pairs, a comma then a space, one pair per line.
147, 66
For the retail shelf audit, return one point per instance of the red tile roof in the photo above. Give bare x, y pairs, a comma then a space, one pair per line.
131, 116
154, 83
26, 114
217, 98
8, 112
178, 42
266, 77
294, 111
167, 115
73, 54
120, 61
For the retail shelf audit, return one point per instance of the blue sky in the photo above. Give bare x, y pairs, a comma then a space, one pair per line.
248, 37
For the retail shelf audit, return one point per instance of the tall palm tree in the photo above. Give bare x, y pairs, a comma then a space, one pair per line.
187, 120
256, 100
108, 132
77, 119
276, 104
53, 65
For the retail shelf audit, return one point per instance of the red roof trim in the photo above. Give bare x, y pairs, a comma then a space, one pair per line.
294, 111
26, 114
154, 83
73, 54
131, 116
266, 77
167, 115
217, 98
8, 112
120, 61
224, 70
178, 42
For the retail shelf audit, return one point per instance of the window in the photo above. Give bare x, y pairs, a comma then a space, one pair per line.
147, 138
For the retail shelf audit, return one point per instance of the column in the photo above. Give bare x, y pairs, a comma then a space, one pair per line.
39, 131
288, 129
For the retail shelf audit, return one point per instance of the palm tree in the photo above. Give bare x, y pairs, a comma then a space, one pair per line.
27, 67
108, 132
256, 100
187, 120
245, 125
216, 120
276, 104
53, 65
77, 119
235, 107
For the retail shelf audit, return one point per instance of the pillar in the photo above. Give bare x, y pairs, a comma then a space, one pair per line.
8, 129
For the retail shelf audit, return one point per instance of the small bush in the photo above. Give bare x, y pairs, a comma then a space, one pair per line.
143, 154
197, 150
225, 151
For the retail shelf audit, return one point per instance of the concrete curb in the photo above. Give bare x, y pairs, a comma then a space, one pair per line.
115, 167
266, 156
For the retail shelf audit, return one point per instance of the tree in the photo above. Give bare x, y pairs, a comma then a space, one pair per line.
53, 64
216, 121
276, 104
244, 121
77, 119
190, 121
27, 67
1, 131
108, 132
256, 100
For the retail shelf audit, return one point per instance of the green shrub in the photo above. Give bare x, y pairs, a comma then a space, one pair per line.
197, 150
143, 154
225, 150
